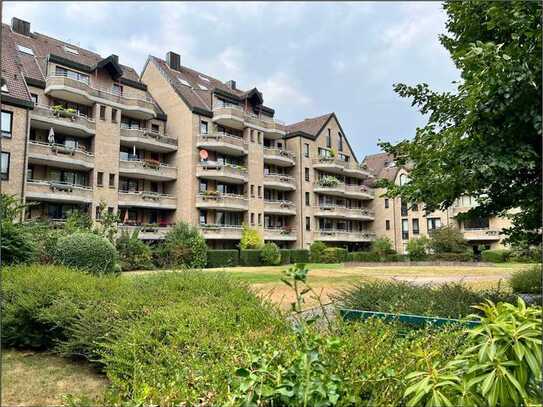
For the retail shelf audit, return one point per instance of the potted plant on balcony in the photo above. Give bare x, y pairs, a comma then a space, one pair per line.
286, 230
210, 194
333, 153
328, 181
150, 163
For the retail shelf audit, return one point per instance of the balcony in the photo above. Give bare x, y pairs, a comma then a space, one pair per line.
57, 191
279, 157
274, 128
280, 181
147, 169
334, 235
223, 143
63, 87
148, 231
59, 155
225, 202
211, 231
342, 212
483, 234
358, 192
147, 199
148, 140
337, 166
280, 233
64, 122
233, 174
229, 115
279, 207
355, 170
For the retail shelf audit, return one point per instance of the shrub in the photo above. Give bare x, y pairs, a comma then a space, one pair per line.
316, 251
447, 239
270, 255
451, 300
184, 246
78, 222
527, 281
134, 254
417, 248
285, 256
222, 258
334, 255
382, 247
466, 256
363, 257
88, 252
395, 257
495, 256
250, 258
299, 256
526, 254
16, 245
250, 238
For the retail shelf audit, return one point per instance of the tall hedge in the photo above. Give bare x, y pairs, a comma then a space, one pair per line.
222, 258
299, 256
334, 255
250, 257
285, 256
495, 256
88, 252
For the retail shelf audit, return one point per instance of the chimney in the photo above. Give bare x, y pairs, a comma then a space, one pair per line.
20, 26
173, 60
115, 58
231, 84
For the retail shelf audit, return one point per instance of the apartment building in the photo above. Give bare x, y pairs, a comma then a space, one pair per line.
79, 129
401, 221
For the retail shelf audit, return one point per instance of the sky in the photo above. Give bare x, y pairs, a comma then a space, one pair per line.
307, 59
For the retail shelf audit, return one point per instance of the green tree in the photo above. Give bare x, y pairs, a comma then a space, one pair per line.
447, 239
184, 246
484, 139
270, 254
417, 248
316, 251
382, 247
250, 238
107, 226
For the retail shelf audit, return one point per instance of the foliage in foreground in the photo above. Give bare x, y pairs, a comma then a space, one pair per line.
527, 281
500, 367
451, 300
484, 139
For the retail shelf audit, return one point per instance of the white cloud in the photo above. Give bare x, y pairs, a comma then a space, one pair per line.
282, 90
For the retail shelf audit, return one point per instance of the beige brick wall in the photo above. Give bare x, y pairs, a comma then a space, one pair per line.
16, 146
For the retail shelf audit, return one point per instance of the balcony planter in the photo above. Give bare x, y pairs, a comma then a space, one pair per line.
57, 186
328, 182
211, 194
150, 195
60, 111
56, 148
153, 164
287, 230
284, 204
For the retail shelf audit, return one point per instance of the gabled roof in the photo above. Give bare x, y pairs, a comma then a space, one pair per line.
382, 166
12, 73
111, 64
198, 94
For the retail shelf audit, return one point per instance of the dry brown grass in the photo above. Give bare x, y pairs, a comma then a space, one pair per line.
41, 379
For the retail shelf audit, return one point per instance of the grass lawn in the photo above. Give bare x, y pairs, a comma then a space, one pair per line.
40, 379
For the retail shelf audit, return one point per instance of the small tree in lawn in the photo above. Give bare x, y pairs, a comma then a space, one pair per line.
270, 255
250, 238
108, 223
382, 247
417, 248
317, 251
448, 239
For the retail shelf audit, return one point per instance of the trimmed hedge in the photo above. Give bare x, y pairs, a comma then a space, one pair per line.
250, 257
222, 258
495, 256
363, 257
299, 256
88, 252
334, 255
467, 256
285, 256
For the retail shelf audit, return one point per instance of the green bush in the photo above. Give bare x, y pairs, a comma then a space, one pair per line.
334, 255
363, 257
88, 252
16, 244
452, 300
299, 256
382, 247
316, 251
417, 248
447, 239
78, 222
285, 256
222, 258
250, 238
134, 254
184, 246
495, 256
250, 258
270, 255
527, 281
466, 256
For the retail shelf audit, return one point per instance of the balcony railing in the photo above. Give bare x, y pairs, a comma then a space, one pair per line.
58, 190
217, 200
64, 118
147, 199
279, 154
147, 135
345, 212
344, 235
221, 231
148, 167
71, 156
279, 233
350, 168
279, 206
279, 180
147, 231
222, 171
221, 139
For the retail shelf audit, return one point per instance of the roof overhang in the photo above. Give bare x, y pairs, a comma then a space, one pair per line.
111, 65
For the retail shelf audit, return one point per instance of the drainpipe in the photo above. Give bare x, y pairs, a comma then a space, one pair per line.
394, 221
301, 220
25, 163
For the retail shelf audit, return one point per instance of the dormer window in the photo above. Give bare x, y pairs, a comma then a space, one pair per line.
202, 87
203, 78
184, 82
71, 50
117, 89
24, 49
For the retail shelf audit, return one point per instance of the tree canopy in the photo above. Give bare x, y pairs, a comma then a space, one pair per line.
483, 139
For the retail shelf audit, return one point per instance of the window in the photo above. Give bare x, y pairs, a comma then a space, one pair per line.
259, 137
110, 209
71, 50
404, 179
252, 136
252, 191
307, 223
414, 208
114, 115
259, 219
307, 199
155, 128
112, 180
329, 139
203, 127
416, 229
387, 224
5, 166
24, 49
340, 142
202, 87
203, 78
405, 229
7, 124
252, 218
34, 98
203, 217
98, 212
403, 208
68, 73
260, 191
477, 223
306, 150
100, 179
184, 82
4, 85
102, 113
386, 203
117, 89
433, 223
307, 174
